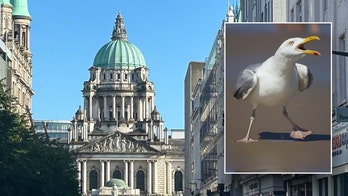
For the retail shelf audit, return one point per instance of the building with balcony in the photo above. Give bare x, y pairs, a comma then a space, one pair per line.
16, 57
204, 118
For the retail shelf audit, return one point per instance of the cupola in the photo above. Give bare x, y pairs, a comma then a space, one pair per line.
20, 8
119, 53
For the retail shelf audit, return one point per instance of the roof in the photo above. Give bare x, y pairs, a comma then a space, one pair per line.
117, 182
20, 7
119, 53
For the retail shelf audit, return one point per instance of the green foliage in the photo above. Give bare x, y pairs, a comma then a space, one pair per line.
30, 164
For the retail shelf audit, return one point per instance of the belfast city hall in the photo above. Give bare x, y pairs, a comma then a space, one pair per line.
117, 137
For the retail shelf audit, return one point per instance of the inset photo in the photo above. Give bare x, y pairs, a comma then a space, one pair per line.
278, 98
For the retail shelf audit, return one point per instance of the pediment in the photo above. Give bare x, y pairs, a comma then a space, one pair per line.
117, 143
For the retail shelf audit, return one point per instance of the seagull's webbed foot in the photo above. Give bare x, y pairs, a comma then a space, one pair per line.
246, 140
300, 133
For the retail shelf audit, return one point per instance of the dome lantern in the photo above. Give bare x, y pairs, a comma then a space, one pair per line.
119, 31
155, 115
79, 114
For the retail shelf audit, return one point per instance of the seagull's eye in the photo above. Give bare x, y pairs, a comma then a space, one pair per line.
291, 43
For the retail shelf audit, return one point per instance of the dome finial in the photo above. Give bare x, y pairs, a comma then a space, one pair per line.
119, 31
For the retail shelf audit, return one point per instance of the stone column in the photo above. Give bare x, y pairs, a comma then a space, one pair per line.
128, 111
80, 128
169, 177
114, 107
105, 109
126, 171
159, 132
86, 130
102, 173
140, 106
74, 131
83, 133
131, 116
150, 131
79, 176
28, 36
122, 108
144, 108
151, 104
84, 177
155, 176
149, 177
166, 136
108, 170
131, 174
98, 113
69, 136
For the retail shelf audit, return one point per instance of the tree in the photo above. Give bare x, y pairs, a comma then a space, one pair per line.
29, 163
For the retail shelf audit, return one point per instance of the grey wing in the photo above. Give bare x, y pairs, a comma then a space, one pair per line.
246, 82
304, 76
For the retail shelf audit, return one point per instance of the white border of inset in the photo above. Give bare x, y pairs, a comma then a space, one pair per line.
246, 23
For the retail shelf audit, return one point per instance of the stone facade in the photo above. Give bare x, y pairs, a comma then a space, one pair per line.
119, 132
16, 58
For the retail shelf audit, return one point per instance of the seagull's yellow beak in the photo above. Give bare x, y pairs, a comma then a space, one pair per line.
301, 48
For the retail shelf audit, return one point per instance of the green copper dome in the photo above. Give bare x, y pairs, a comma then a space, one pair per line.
117, 182
20, 8
119, 52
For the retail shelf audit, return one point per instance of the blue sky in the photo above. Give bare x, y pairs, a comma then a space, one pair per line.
66, 35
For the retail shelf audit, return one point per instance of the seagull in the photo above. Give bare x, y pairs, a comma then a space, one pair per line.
276, 81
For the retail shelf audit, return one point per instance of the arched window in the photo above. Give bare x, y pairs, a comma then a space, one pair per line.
178, 181
117, 174
140, 180
93, 179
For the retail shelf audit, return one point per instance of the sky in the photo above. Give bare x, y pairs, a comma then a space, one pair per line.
66, 35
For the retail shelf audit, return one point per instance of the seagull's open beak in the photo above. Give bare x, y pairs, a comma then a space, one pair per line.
301, 48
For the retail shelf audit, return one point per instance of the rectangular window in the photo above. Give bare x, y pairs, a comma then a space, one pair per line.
325, 6
323, 187
299, 11
111, 76
301, 189
340, 184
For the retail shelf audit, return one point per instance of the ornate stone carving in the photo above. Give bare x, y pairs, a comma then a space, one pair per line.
116, 142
